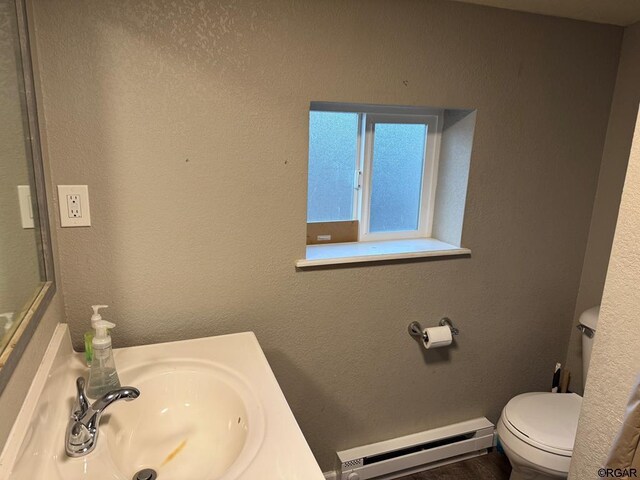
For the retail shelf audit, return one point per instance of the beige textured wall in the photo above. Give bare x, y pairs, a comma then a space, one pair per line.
188, 120
615, 363
624, 109
456, 147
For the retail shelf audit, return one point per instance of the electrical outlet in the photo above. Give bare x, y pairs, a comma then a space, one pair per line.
74, 206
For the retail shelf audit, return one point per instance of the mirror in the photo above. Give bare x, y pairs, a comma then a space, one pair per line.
26, 270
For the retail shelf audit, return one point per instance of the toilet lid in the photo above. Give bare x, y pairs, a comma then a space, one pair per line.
546, 420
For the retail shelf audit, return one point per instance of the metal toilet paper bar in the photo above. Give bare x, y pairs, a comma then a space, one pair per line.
415, 330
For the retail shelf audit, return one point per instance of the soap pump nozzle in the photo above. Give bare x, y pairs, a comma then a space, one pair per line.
96, 317
102, 338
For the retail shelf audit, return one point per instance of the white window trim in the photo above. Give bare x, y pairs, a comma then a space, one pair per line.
357, 181
367, 252
433, 121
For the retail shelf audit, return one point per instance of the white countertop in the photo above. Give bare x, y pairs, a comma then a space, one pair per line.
35, 449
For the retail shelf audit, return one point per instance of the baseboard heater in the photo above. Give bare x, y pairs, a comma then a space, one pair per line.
416, 452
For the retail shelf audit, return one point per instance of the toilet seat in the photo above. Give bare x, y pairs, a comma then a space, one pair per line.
526, 460
546, 421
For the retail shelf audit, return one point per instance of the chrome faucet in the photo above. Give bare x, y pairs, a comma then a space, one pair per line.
82, 429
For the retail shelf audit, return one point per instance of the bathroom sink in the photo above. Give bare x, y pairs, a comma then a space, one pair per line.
208, 409
194, 420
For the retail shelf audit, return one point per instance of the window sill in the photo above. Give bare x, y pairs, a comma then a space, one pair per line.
358, 252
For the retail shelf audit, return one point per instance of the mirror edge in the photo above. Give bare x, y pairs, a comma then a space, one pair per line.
11, 355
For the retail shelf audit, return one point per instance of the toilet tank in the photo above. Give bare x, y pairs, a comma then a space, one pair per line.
587, 325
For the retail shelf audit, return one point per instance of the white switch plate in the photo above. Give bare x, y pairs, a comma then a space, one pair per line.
74, 206
26, 207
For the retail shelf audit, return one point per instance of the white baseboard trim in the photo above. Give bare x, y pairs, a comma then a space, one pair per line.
330, 475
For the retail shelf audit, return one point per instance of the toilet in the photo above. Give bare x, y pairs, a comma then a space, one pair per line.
537, 430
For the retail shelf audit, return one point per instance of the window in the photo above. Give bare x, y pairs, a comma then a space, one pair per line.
386, 182
375, 167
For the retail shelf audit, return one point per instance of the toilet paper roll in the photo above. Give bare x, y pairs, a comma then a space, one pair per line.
437, 337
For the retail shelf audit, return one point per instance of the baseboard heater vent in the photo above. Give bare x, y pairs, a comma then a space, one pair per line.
416, 452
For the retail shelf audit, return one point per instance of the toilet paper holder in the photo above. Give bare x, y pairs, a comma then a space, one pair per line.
415, 330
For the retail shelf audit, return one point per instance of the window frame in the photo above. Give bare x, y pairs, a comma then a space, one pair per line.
433, 124
368, 116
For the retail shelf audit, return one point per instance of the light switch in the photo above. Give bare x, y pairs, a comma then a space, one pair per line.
74, 206
26, 207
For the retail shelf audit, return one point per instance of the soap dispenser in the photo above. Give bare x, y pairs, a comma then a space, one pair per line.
88, 336
8, 322
103, 376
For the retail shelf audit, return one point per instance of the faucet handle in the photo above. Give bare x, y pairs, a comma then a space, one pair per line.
83, 426
81, 404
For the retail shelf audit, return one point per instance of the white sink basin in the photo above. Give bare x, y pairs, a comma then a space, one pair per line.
194, 420
209, 409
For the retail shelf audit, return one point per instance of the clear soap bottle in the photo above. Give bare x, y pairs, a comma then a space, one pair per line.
88, 336
103, 376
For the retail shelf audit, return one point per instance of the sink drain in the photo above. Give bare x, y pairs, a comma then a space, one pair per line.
146, 474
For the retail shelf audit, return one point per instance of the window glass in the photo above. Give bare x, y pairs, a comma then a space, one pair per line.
333, 147
397, 166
